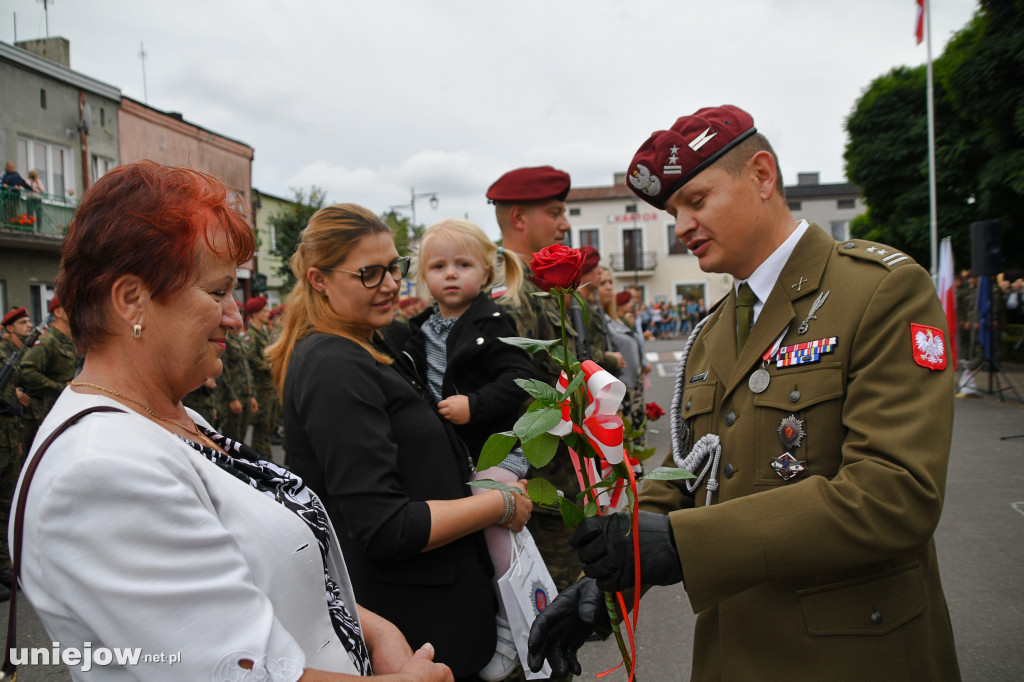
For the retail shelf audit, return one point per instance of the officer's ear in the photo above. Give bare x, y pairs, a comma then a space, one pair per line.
764, 171
517, 217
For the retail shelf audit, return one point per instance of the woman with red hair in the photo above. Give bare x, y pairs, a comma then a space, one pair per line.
144, 528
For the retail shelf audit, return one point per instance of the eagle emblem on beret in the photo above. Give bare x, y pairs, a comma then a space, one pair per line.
642, 180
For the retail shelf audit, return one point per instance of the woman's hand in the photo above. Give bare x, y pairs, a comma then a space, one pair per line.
455, 409
524, 508
389, 651
421, 667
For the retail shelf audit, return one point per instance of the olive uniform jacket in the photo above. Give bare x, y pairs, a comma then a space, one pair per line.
831, 574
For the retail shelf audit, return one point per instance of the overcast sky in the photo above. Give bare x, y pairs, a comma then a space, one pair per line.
371, 99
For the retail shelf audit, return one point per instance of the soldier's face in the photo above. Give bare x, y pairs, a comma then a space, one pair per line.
20, 327
717, 218
545, 224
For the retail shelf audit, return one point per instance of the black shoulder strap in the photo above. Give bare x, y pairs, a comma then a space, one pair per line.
9, 670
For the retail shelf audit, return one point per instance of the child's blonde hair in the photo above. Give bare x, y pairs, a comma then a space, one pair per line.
469, 236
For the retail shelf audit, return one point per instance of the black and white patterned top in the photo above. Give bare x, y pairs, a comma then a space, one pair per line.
288, 490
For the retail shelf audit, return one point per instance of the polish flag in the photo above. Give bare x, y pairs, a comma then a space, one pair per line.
947, 295
919, 30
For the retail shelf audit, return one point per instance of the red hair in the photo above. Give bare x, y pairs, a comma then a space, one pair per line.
147, 220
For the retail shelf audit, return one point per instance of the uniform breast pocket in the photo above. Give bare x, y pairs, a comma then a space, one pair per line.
698, 408
801, 413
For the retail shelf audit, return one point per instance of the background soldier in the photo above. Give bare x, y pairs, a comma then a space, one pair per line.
235, 400
17, 327
256, 342
601, 351
47, 368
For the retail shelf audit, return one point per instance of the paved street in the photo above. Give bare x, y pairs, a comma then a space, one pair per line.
980, 544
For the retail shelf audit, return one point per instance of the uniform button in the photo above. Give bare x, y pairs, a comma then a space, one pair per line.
688, 404
729, 471
496, 314
479, 340
730, 418
876, 618
794, 396
849, 245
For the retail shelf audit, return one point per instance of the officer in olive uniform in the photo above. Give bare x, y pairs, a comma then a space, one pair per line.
815, 407
256, 342
235, 398
17, 327
47, 368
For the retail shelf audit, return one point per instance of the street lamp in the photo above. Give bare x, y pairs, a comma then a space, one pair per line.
413, 196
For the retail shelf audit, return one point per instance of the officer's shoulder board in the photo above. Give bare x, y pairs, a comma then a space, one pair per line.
874, 252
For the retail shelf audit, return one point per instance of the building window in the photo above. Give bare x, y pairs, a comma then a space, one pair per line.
845, 203
840, 230
630, 208
100, 166
674, 245
794, 206
590, 237
273, 238
52, 162
102, 118
42, 98
574, 211
568, 239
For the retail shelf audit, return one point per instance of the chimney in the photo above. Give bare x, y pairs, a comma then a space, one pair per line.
55, 49
808, 178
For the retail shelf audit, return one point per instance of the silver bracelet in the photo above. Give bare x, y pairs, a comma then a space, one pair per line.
510, 508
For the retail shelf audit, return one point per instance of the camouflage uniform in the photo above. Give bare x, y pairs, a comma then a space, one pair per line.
263, 421
598, 338
201, 400
537, 317
234, 384
11, 452
46, 370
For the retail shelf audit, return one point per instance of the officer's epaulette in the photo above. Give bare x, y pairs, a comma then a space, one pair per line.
874, 252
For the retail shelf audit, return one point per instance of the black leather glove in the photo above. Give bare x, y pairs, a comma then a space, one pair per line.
605, 546
561, 629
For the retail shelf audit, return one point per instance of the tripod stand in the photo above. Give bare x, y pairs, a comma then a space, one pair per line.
984, 323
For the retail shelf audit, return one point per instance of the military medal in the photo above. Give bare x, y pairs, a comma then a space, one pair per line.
760, 379
787, 466
791, 432
806, 352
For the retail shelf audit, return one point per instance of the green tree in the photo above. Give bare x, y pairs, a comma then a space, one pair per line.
288, 224
407, 235
979, 146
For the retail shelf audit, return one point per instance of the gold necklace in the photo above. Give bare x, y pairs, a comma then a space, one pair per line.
194, 431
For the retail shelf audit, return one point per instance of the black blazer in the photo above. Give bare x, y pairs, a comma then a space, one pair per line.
367, 443
481, 367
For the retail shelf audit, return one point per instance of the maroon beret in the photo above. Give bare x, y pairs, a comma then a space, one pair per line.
408, 301
14, 316
530, 184
255, 304
622, 298
671, 158
53, 304
591, 257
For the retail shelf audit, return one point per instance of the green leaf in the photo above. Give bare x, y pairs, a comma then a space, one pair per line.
583, 305
558, 353
667, 474
495, 449
590, 510
548, 395
541, 449
541, 491
495, 485
571, 514
529, 345
577, 381
540, 294
536, 422
643, 454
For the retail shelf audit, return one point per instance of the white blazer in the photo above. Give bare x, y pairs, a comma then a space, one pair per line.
134, 540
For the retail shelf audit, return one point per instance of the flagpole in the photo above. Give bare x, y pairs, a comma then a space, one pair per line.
934, 235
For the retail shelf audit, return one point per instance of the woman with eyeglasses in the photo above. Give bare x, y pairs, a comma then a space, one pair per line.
364, 437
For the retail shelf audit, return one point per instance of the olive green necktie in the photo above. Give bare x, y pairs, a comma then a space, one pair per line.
745, 300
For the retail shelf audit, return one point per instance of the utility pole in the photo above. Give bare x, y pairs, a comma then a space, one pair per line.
142, 56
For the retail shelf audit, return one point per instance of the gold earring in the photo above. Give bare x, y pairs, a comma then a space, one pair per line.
137, 331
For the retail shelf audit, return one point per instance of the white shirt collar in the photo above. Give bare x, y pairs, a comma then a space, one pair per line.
763, 279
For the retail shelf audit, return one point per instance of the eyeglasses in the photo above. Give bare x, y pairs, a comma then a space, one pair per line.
372, 275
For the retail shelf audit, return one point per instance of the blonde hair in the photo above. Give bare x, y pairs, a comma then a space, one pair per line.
469, 236
332, 233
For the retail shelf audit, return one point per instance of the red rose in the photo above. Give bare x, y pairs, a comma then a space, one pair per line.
654, 411
557, 266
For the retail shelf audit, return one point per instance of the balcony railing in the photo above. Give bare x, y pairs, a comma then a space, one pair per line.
631, 261
35, 213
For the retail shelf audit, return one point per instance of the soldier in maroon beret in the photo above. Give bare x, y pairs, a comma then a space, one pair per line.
814, 406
